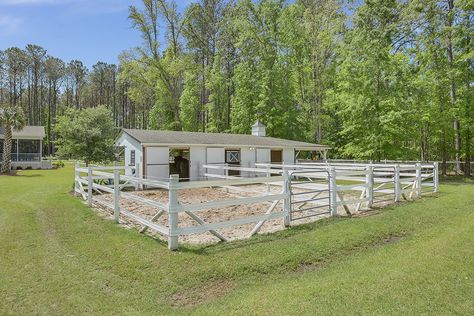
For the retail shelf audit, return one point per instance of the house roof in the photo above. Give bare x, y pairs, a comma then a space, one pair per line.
176, 138
28, 132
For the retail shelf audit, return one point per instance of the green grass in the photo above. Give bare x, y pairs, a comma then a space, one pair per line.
58, 257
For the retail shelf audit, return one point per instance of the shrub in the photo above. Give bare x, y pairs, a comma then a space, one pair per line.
56, 164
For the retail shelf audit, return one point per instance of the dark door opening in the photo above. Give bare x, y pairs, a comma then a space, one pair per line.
276, 156
179, 163
232, 157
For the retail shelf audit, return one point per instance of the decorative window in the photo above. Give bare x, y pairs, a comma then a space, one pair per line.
132, 158
232, 156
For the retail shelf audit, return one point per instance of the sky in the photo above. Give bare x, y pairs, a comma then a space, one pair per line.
87, 30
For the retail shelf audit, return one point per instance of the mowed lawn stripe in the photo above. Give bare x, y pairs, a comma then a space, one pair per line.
60, 257
427, 273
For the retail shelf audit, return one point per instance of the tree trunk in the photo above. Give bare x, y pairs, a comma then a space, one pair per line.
49, 119
422, 146
444, 154
7, 149
452, 88
467, 167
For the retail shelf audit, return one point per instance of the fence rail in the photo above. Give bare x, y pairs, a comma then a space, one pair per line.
293, 192
87, 181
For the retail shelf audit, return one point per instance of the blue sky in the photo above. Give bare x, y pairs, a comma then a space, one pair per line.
88, 30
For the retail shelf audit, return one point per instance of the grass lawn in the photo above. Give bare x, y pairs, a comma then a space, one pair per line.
58, 257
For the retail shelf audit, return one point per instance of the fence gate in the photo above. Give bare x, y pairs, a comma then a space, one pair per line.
309, 194
383, 185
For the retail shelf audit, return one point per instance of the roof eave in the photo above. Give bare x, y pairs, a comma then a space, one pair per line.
234, 145
33, 137
124, 131
310, 148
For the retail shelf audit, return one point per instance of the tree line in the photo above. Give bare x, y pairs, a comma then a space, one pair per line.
45, 87
382, 79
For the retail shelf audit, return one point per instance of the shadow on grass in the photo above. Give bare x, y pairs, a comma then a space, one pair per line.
21, 175
161, 242
34, 175
207, 249
292, 231
456, 180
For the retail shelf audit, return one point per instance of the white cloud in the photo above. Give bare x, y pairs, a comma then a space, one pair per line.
9, 24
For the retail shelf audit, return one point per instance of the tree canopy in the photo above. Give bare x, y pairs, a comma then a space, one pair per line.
377, 79
87, 135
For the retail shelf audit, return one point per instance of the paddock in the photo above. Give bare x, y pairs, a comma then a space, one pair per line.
232, 202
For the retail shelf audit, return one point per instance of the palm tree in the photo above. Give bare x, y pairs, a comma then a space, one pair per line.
11, 117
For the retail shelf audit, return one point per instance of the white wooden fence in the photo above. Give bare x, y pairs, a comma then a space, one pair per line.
407, 180
87, 182
376, 183
293, 192
313, 189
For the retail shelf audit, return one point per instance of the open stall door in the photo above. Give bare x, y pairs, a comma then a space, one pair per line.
276, 156
179, 162
157, 163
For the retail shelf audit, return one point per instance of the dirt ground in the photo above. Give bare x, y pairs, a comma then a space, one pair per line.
216, 214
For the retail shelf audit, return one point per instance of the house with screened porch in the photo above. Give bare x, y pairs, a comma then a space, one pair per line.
26, 149
158, 154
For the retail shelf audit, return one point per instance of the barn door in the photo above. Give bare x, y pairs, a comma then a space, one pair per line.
263, 155
157, 163
215, 156
276, 156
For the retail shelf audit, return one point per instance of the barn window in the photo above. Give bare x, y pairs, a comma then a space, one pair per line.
132, 158
232, 156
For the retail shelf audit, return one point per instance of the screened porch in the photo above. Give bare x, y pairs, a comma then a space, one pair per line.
24, 150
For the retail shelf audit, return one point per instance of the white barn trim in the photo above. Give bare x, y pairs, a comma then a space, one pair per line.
151, 150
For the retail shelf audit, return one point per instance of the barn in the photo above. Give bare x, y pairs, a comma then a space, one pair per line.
161, 153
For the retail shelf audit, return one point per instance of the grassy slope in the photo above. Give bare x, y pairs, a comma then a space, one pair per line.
57, 256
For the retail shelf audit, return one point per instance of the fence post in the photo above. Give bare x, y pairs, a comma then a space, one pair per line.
76, 178
286, 201
268, 175
116, 192
333, 191
435, 177
200, 171
226, 174
369, 179
418, 179
90, 183
396, 183
137, 175
173, 205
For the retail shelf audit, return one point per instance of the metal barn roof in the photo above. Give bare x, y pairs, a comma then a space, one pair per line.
178, 138
28, 132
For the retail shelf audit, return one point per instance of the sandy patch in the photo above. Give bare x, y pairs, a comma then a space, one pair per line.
215, 215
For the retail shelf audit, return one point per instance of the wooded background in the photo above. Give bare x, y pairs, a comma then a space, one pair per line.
382, 79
